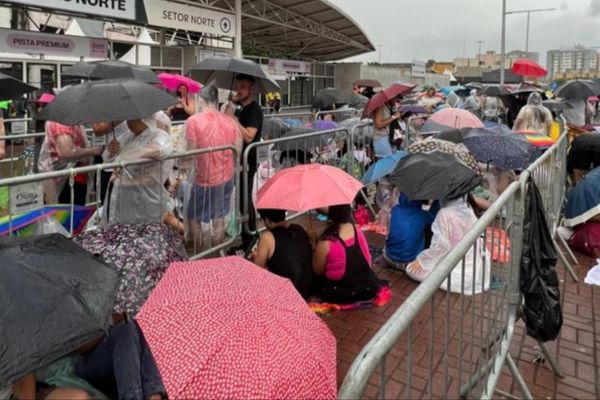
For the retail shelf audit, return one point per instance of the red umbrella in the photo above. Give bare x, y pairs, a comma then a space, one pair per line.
456, 118
306, 187
225, 328
387, 94
525, 67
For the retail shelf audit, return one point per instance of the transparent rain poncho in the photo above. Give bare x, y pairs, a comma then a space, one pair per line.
451, 224
534, 116
138, 194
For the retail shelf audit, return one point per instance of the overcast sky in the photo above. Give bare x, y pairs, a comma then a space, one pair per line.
424, 29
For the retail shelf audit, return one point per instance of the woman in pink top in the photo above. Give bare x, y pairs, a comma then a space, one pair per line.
343, 261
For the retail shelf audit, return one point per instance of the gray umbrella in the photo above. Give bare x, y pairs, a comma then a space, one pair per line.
108, 100
222, 71
11, 88
357, 101
578, 89
556, 105
111, 70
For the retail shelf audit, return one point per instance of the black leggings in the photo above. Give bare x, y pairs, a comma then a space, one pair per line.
79, 194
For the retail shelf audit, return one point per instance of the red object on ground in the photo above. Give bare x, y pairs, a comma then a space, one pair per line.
307, 187
586, 239
173, 81
387, 94
525, 67
226, 328
456, 118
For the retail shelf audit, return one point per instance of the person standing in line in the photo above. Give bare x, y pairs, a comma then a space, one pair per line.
250, 119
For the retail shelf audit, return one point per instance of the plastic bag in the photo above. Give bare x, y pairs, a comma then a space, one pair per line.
539, 283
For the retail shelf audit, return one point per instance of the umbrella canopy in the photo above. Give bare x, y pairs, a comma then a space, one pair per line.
583, 201
325, 98
24, 224
474, 85
525, 67
224, 328
387, 94
456, 118
433, 176
141, 253
495, 90
578, 89
222, 70
452, 135
301, 188
174, 81
431, 145
45, 98
274, 128
584, 153
357, 101
446, 90
412, 108
55, 297
556, 105
537, 139
383, 167
508, 152
11, 88
111, 69
109, 100
527, 88
372, 83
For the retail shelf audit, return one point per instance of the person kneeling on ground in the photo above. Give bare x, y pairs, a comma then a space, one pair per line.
343, 261
285, 250
407, 232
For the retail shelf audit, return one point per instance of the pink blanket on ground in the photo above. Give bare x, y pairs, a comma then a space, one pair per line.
381, 299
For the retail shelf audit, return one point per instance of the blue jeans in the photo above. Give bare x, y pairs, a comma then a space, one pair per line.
382, 146
122, 362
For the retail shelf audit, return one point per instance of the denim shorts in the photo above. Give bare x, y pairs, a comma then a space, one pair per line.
209, 202
382, 146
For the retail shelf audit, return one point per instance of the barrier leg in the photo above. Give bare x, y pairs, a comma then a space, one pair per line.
518, 377
546, 356
564, 244
565, 262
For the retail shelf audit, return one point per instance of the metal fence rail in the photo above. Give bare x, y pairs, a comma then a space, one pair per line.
136, 172
439, 344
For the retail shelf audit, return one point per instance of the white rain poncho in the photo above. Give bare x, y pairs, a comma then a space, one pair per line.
472, 102
491, 108
451, 224
138, 194
534, 116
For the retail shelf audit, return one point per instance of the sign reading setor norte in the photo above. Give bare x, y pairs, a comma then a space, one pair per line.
120, 9
166, 14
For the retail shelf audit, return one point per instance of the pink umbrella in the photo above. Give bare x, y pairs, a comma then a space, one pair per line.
456, 118
45, 98
224, 328
173, 81
306, 187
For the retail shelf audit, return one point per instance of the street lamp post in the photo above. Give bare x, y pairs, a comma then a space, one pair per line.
503, 39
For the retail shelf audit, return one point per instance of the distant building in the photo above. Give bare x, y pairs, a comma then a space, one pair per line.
575, 59
516, 54
442, 66
492, 59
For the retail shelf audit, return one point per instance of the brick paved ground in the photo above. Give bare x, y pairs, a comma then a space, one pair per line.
577, 349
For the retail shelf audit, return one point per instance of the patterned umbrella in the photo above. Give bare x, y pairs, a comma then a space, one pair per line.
508, 152
431, 145
141, 253
225, 328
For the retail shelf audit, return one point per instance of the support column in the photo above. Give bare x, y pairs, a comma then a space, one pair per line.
237, 41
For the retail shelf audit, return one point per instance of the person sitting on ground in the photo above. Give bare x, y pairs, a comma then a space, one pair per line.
343, 261
409, 223
452, 222
285, 250
121, 365
65, 147
138, 194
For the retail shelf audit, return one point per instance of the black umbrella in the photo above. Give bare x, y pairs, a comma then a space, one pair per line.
372, 83
578, 89
54, 298
527, 88
495, 90
453, 135
325, 98
357, 101
584, 153
111, 70
109, 100
11, 88
433, 176
556, 105
222, 71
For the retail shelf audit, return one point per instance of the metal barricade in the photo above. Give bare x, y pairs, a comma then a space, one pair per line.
442, 344
266, 157
340, 115
274, 125
20, 153
27, 193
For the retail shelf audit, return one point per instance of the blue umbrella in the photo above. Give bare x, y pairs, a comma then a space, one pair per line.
383, 167
583, 202
446, 90
506, 152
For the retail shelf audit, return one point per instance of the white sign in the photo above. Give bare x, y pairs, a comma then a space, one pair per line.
165, 14
418, 69
120, 9
26, 197
277, 67
47, 43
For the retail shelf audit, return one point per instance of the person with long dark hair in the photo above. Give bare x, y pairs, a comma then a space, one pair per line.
343, 261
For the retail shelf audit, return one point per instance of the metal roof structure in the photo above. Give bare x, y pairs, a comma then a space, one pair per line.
308, 29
